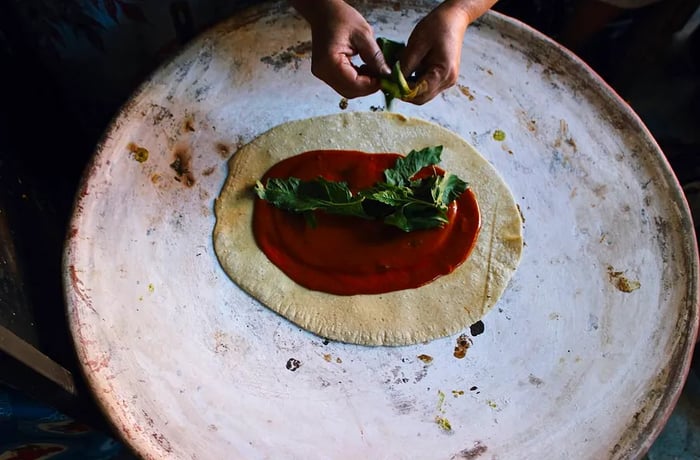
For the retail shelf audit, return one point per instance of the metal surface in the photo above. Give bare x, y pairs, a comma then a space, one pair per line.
568, 366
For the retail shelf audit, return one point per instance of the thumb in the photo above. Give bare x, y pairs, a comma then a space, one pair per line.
372, 55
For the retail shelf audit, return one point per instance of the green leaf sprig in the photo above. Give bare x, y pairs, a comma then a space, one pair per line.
400, 200
395, 86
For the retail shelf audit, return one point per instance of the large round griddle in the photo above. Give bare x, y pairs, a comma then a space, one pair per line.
569, 365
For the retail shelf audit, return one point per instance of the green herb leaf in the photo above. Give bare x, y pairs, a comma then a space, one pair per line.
401, 200
396, 85
293, 194
391, 85
408, 166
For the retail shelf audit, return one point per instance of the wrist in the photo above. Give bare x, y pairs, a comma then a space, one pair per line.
469, 10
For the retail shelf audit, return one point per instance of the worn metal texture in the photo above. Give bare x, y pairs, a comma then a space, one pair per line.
583, 357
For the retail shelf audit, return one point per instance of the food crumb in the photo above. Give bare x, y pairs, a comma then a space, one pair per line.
477, 328
427, 359
443, 423
463, 344
343, 104
465, 90
181, 166
499, 135
457, 393
441, 401
338, 360
621, 282
327, 357
151, 288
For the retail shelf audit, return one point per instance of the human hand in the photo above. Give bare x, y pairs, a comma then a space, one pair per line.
339, 32
434, 50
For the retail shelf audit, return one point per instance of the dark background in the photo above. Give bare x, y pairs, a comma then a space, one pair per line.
68, 65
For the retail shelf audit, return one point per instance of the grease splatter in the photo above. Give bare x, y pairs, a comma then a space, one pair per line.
138, 153
467, 92
499, 135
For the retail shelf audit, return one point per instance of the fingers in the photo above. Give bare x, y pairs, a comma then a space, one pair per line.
338, 33
437, 79
338, 72
371, 55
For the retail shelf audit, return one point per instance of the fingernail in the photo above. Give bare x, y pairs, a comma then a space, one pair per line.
385, 70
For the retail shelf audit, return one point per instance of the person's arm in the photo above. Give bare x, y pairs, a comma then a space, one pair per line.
339, 32
434, 48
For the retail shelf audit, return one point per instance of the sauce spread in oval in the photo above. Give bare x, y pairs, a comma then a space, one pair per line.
348, 255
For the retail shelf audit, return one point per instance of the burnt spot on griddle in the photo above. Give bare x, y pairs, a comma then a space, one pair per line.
181, 166
223, 149
188, 125
293, 364
476, 328
536, 381
163, 442
160, 114
290, 56
471, 453
209, 171
427, 359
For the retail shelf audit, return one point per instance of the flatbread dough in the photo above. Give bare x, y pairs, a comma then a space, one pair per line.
440, 308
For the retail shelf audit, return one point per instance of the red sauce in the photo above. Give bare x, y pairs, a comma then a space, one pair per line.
348, 255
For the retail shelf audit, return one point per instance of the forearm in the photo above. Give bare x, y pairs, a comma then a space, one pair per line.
309, 9
472, 9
